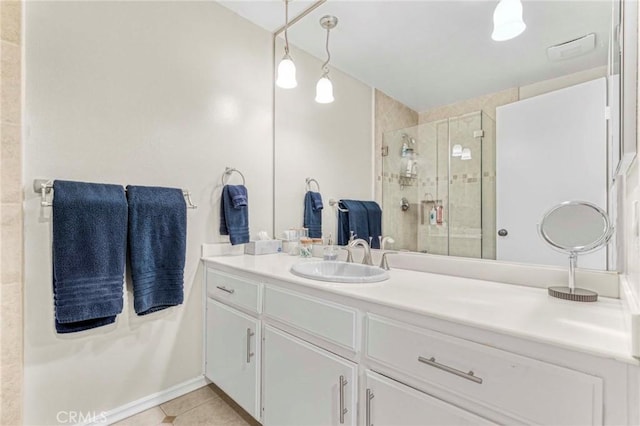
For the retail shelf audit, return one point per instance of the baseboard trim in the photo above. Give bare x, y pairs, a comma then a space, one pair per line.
148, 401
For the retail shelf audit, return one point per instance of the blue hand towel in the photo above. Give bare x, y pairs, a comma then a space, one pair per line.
89, 246
356, 220
374, 218
313, 213
157, 247
238, 195
316, 198
234, 221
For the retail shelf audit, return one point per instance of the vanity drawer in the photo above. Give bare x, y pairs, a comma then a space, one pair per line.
525, 389
233, 290
330, 321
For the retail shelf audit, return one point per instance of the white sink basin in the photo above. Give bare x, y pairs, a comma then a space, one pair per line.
339, 272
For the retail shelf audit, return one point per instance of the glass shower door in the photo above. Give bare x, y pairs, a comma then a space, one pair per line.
465, 185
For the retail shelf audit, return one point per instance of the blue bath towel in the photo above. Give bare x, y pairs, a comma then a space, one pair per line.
88, 249
354, 220
374, 219
313, 213
234, 221
364, 218
157, 247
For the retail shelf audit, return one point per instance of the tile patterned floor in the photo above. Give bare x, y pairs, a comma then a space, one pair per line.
207, 406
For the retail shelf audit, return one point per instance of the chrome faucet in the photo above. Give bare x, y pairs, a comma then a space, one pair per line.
384, 241
384, 263
366, 260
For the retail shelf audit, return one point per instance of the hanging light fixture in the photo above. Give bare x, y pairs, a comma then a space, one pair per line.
507, 20
286, 77
324, 88
456, 150
465, 154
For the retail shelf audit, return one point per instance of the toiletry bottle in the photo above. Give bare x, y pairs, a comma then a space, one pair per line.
330, 251
439, 214
432, 216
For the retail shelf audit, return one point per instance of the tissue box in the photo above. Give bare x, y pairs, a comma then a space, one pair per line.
263, 247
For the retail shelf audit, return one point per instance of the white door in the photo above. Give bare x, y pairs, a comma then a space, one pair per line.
302, 383
232, 354
393, 404
549, 149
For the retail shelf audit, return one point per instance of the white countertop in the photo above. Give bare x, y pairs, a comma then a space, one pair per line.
601, 328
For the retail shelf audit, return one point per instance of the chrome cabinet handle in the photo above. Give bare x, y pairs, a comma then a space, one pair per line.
228, 290
367, 413
341, 384
432, 362
250, 334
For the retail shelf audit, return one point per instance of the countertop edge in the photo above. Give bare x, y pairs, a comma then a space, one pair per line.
335, 289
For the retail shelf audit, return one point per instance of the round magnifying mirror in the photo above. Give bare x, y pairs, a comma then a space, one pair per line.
575, 227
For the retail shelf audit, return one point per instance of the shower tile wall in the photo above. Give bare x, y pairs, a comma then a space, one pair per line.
465, 194
487, 104
433, 190
391, 115
401, 225
11, 238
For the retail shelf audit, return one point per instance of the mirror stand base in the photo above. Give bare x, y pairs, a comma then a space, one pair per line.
575, 295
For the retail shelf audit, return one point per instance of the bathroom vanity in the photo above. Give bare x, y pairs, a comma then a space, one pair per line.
419, 348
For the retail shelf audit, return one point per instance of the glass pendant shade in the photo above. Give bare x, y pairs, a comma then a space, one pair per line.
324, 90
456, 151
286, 73
507, 20
466, 154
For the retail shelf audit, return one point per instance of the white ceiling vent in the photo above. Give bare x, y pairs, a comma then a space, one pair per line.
573, 48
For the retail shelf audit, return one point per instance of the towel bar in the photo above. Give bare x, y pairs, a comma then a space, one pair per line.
44, 187
309, 181
228, 171
334, 203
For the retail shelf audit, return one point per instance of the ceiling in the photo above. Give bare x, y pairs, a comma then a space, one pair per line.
431, 53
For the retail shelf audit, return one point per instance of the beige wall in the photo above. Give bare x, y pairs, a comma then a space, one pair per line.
11, 289
150, 93
327, 142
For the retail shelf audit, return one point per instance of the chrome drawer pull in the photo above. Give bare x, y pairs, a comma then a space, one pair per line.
432, 362
250, 334
341, 384
223, 288
367, 413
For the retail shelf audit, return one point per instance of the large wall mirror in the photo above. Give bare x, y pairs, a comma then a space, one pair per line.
476, 137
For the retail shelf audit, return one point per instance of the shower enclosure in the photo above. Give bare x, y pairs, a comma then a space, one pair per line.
444, 172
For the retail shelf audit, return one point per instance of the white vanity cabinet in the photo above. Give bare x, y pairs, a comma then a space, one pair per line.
293, 355
390, 403
232, 346
306, 385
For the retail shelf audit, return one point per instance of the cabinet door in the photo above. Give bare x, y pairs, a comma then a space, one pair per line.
302, 383
233, 355
390, 403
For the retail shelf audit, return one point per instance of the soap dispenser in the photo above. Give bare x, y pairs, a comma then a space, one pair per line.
432, 216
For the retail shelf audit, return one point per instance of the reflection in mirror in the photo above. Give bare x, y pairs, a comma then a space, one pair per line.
575, 227
473, 139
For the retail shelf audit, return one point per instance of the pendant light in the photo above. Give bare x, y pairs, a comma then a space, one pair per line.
507, 20
456, 151
324, 88
286, 77
466, 154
